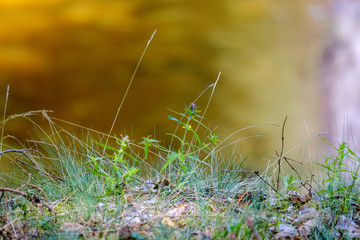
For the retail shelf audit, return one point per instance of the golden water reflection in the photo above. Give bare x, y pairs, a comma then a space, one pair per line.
77, 58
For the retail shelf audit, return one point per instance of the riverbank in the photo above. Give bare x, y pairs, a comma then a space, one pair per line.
99, 186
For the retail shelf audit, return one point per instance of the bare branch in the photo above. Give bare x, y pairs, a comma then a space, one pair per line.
43, 172
13, 191
22, 151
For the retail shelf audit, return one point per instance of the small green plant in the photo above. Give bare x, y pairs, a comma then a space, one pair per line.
192, 147
120, 172
290, 183
230, 232
149, 142
341, 178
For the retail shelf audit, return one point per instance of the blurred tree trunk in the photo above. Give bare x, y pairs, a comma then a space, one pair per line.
341, 74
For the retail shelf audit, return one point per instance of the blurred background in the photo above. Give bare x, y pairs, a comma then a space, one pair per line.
76, 57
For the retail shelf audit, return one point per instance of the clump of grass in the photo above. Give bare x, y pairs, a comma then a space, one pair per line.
75, 178
94, 187
341, 183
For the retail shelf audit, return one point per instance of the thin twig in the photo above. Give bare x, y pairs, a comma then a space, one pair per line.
280, 156
297, 173
33, 200
43, 172
257, 174
28, 181
22, 151
10, 224
253, 229
13, 191
310, 186
66, 198
279, 171
35, 167
5, 211
49, 207
38, 188
11, 200
283, 137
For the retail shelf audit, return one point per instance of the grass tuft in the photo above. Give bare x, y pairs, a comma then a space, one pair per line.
89, 187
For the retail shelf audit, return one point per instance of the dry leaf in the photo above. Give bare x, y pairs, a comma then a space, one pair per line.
74, 226
173, 216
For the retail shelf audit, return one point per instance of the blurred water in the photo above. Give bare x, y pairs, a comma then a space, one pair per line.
77, 58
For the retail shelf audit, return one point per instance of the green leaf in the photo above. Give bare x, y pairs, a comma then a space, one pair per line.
133, 170
196, 136
175, 119
198, 160
148, 142
322, 191
330, 188
98, 173
133, 158
117, 170
321, 165
170, 159
107, 147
